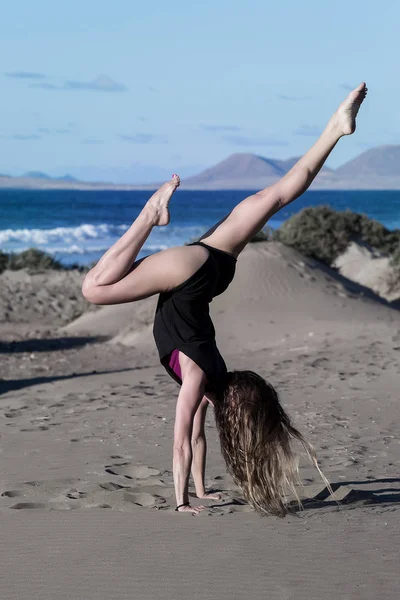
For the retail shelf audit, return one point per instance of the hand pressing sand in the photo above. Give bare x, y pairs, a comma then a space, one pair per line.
194, 510
210, 496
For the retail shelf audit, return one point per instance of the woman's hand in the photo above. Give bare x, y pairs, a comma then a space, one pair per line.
195, 510
211, 496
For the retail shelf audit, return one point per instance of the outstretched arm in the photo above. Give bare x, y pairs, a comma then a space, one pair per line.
190, 395
199, 449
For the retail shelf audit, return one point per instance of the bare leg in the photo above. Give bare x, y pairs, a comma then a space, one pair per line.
189, 399
115, 263
117, 278
236, 230
199, 450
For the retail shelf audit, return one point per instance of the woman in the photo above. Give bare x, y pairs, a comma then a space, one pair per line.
255, 432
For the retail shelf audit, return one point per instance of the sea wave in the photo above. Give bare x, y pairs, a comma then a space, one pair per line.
86, 231
75, 249
87, 242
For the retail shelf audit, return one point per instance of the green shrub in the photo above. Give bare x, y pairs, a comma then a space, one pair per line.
33, 259
395, 259
323, 233
29, 259
3, 261
394, 278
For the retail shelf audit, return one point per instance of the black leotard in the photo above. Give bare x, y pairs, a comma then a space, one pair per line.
183, 323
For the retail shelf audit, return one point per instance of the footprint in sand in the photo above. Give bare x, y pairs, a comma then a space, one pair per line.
144, 499
75, 495
110, 486
24, 505
12, 494
130, 471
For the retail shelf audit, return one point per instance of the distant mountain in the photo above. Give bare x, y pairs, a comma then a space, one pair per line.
242, 168
36, 175
66, 178
41, 175
375, 169
238, 167
383, 161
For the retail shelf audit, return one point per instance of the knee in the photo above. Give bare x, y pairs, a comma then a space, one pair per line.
91, 291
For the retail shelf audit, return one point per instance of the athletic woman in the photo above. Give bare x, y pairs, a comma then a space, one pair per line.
255, 432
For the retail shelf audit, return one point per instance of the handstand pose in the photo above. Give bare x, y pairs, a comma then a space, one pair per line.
255, 432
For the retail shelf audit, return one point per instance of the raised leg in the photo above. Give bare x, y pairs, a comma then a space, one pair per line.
115, 263
236, 230
117, 278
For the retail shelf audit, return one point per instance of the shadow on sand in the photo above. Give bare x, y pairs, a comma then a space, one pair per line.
355, 496
352, 287
348, 497
18, 384
48, 344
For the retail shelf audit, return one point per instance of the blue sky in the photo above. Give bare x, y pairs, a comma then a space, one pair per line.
132, 91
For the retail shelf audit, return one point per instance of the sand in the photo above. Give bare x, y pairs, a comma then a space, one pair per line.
86, 495
370, 268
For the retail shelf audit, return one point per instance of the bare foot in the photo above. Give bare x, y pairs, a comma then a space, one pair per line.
211, 496
344, 118
160, 200
191, 509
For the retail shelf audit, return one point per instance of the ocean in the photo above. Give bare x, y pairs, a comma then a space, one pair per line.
79, 226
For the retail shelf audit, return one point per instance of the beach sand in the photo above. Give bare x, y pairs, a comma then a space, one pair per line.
86, 423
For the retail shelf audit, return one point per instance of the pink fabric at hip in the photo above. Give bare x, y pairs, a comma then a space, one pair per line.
174, 363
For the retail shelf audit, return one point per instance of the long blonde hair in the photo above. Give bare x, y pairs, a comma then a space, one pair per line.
256, 437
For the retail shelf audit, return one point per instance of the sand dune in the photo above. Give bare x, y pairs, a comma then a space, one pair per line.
369, 268
271, 280
112, 320
278, 293
47, 298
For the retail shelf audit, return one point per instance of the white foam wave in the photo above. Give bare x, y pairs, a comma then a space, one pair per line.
88, 242
75, 249
86, 231
60, 250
